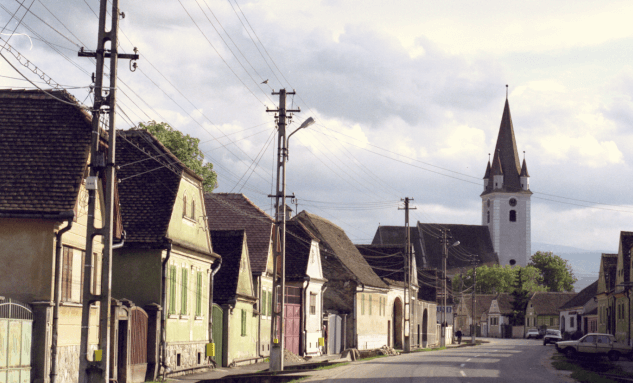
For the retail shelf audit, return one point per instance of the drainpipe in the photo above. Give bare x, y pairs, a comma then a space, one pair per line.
214, 270
303, 317
163, 332
325, 348
120, 244
58, 294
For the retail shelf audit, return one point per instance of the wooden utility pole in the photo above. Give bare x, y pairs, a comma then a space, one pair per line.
445, 238
407, 276
279, 243
95, 368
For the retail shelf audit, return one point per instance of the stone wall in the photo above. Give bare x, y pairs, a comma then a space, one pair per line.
188, 357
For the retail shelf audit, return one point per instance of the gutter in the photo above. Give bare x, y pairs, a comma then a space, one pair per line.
163, 332
214, 270
58, 291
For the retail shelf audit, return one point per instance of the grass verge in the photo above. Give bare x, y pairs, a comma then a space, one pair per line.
331, 366
589, 370
429, 349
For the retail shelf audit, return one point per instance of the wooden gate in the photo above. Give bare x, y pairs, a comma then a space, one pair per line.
218, 330
334, 334
138, 344
16, 325
292, 319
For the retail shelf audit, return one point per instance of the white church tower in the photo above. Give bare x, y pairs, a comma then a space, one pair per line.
505, 205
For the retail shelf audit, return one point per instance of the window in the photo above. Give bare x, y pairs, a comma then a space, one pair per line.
513, 215
243, 322
72, 274
199, 293
370, 304
67, 274
571, 321
185, 288
193, 209
264, 303
172, 289
488, 213
551, 321
313, 303
362, 304
184, 205
270, 303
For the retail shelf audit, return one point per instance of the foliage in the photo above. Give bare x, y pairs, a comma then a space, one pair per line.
497, 279
185, 148
520, 298
556, 273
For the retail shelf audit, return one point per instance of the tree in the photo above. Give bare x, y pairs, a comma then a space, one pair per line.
497, 279
185, 148
556, 272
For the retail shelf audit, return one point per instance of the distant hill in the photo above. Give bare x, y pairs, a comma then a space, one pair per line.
585, 263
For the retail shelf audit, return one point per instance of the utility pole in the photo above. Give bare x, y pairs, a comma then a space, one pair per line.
407, 276
474, 303
445, 238
96, 368
279, 244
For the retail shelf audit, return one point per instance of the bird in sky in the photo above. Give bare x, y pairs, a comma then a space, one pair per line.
265, 81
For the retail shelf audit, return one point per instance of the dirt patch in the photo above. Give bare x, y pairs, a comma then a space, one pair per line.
292, 358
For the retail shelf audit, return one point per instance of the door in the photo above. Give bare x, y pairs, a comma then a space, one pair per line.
334, 334
138, 345
588, 344
218, 330
292, 319
16, 326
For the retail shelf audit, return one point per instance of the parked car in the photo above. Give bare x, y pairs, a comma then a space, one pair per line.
532, 334
595, 344
552, 336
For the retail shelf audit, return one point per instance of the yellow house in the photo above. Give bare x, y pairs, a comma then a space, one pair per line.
166, 265
606, 285
44, 154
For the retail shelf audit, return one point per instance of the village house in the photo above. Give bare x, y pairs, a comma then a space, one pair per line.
356, 297
44, 156
542, 310
167, 264
573, 314
499, 313
464, 313
236, 323
604, 297
234, 211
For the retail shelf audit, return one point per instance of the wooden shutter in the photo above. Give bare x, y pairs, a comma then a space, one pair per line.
67, 277
172, 290
199, 294
185, 286
243, 322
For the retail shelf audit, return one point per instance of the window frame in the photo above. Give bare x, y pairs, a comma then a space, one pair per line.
313, 299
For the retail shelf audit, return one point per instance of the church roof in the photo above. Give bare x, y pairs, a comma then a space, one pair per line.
524, 171
506, 156
487, 175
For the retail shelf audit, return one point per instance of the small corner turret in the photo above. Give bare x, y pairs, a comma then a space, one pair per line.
525, 176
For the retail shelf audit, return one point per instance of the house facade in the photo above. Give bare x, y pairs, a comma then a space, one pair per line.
574, 315
44, 154
542, 310
606, 286
498, 317
167, 263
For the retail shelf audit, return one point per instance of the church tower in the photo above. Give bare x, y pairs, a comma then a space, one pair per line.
505, 201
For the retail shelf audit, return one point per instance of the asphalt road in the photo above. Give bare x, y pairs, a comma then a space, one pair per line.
501, 360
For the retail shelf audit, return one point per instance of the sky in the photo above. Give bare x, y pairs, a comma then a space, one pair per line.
407, 95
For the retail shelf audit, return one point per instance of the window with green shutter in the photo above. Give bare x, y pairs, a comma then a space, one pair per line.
199, 294
362, 304
270, 303
370, 304
243, 322
264, 303
185, 287
172, 289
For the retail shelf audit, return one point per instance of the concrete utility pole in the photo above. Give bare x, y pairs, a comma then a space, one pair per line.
279, 243
96, 368
445, 238
474, 304
407, 276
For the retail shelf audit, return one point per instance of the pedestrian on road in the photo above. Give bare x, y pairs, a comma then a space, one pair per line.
458, 334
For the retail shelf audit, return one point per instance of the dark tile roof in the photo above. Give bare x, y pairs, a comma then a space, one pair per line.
149, 180
504, 300
482, 303
474, 239
44, 146
506, 157
387, 261
334, 242
548, 303
584, 296
234, 211
227, 243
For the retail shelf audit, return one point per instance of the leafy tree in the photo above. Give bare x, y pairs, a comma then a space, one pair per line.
185, 148
556, 272
520, 298
497, 279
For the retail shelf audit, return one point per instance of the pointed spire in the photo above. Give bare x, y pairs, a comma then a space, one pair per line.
497, 169
487, 175
524, 172
506, 152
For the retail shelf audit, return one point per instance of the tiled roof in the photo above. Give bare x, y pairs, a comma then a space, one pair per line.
524, 171
387, 261
227, 243
506, 157
482, 303
504, 300
298, 242
548, 303
44, 146
335, 242
149, 180
584, 296
474, 239
234, 211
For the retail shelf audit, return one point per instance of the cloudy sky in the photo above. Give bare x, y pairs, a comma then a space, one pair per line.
408, 97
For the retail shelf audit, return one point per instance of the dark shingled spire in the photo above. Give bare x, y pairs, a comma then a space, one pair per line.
524, 171
506, 152
497, 168
487, 175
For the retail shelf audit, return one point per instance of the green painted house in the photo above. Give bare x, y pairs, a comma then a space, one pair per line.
234, 299
166, 265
